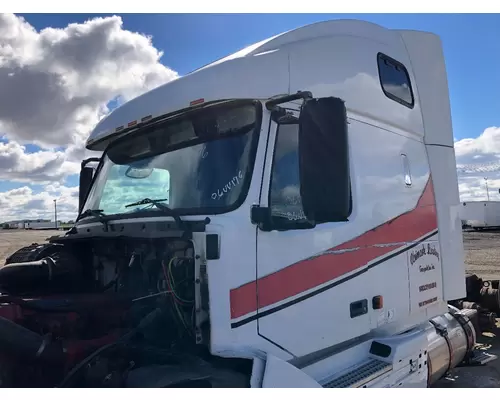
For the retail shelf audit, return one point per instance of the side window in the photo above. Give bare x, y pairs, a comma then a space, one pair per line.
395, 80
285, 200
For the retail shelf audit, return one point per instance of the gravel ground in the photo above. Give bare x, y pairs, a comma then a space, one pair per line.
482, 257
12, 240
482, 253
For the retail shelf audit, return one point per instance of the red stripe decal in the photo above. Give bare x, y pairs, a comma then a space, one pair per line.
310, 273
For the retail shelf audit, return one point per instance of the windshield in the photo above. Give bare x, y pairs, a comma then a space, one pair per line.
195, 164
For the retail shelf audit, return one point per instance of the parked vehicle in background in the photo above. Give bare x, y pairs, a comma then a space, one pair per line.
480, 214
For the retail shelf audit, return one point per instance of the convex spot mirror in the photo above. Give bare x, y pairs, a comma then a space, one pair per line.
324, 160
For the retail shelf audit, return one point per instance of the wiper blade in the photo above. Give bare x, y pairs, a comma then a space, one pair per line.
158, 204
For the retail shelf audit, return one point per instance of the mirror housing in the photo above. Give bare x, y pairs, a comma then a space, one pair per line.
86, 176
324, 160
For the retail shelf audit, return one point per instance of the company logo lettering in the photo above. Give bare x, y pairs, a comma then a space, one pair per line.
416, 254
431, 250
426, 268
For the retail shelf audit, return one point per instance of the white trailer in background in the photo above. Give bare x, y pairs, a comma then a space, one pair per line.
41, 225
480, 214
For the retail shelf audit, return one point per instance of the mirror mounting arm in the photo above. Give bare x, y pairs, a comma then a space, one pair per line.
270, 104
89, 160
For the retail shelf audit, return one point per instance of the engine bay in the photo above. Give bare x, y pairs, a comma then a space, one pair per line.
113, 312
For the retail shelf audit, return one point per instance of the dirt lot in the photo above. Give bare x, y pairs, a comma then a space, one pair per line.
482, 253
14, 239
482, 257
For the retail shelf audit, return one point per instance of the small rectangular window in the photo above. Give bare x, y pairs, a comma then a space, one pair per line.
395, 80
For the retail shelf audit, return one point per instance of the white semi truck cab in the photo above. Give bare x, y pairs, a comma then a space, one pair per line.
285, 216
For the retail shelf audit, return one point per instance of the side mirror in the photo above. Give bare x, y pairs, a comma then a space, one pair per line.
86, 175
324, 160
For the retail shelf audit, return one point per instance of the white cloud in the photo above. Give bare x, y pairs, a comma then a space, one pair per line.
23, 203
479, 158
485, 145
40, 167
55, 84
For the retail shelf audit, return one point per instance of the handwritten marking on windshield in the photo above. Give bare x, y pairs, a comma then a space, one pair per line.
290, 215
228, 186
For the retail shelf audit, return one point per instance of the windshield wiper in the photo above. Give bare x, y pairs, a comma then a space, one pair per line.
158, 204
99, 214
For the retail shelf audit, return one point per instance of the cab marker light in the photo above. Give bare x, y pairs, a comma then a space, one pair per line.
196, 102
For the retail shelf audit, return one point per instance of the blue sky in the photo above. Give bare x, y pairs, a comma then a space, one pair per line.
189, 41
471, 45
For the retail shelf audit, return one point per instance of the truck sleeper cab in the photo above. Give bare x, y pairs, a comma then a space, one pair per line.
327, 190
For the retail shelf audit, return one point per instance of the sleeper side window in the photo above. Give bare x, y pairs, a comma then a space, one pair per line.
285, 200
395, 80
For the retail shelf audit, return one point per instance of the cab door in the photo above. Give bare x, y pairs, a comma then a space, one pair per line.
302, 306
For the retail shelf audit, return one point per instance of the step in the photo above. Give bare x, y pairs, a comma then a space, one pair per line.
359, 374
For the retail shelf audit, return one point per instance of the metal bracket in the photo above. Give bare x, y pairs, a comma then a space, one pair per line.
270, 104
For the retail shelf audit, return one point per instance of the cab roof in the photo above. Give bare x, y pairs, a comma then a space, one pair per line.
268, 68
